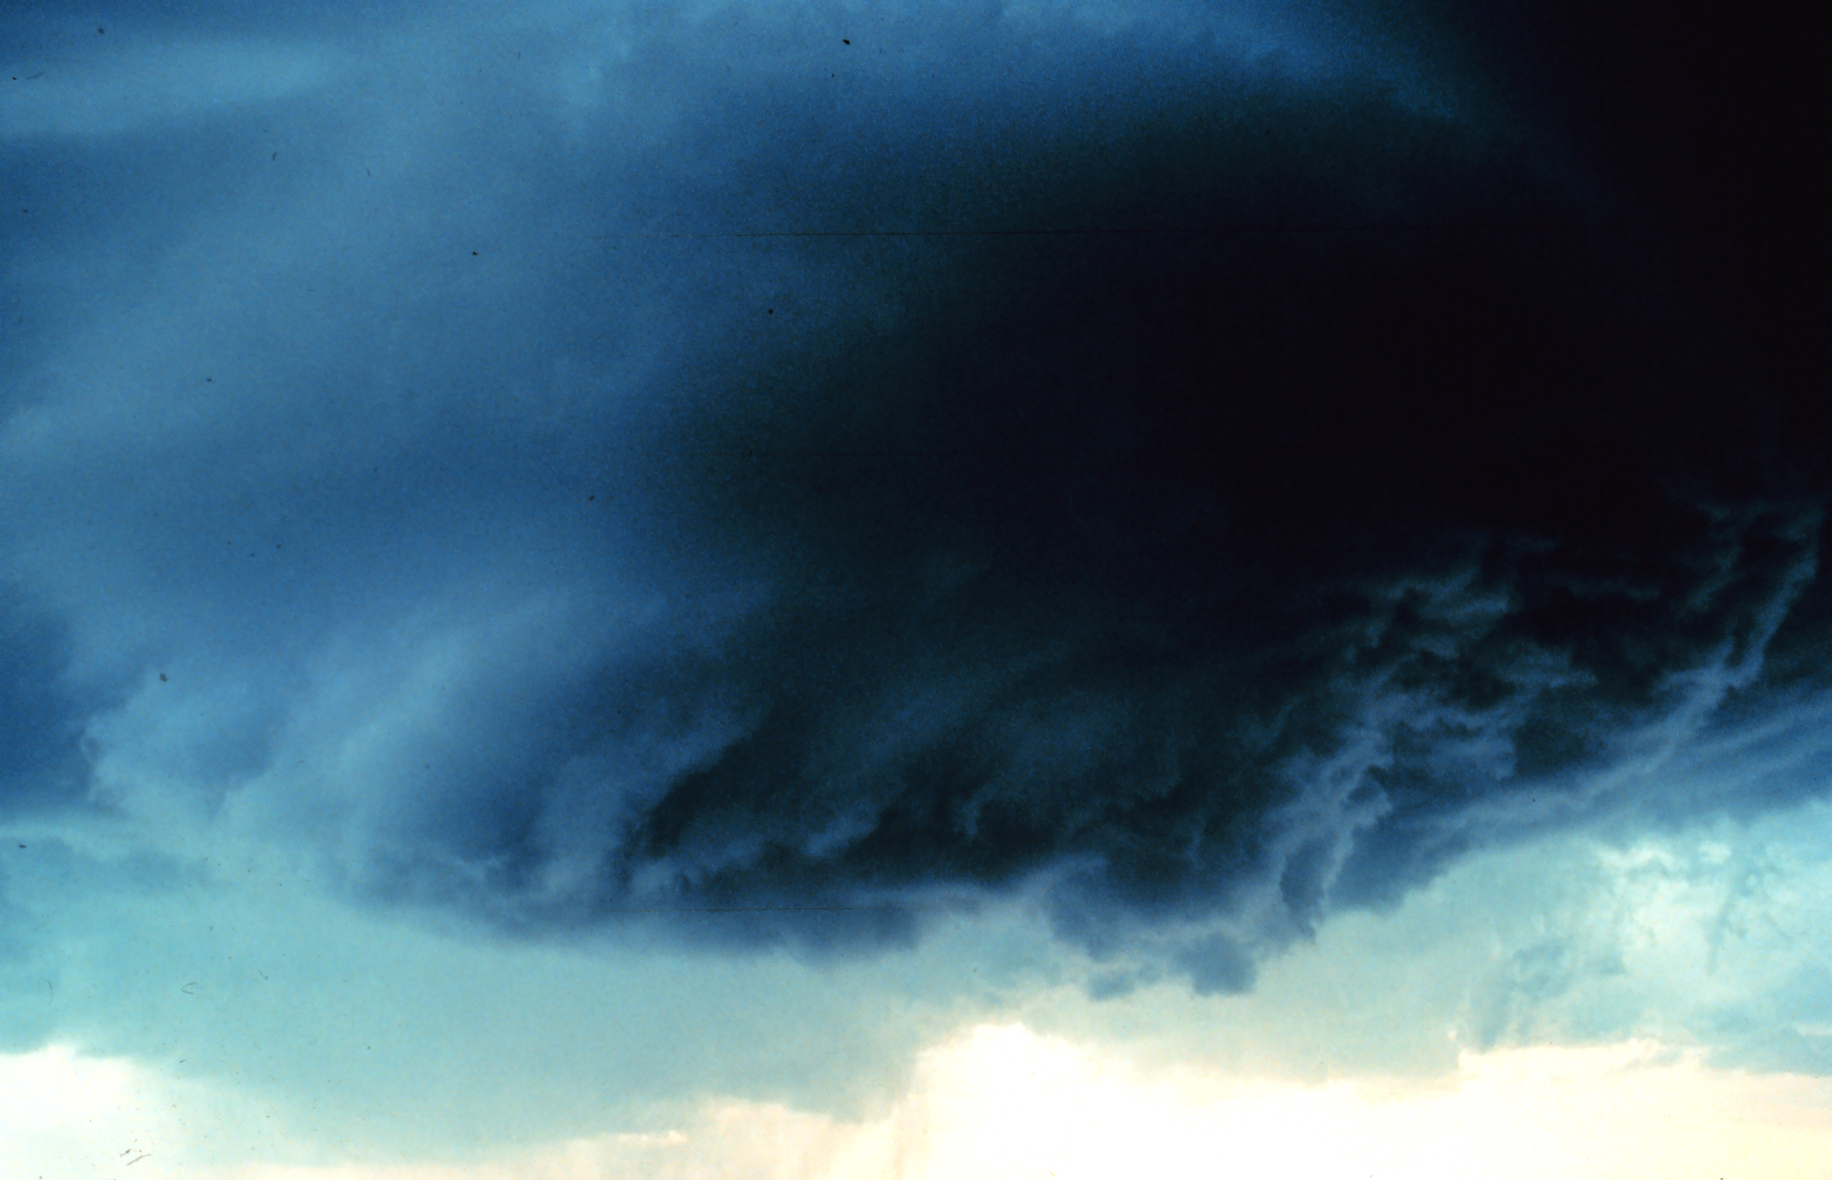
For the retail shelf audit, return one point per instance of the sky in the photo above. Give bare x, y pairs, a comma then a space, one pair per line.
913, 589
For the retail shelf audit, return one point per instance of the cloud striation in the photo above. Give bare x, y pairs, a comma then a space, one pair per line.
1196, 472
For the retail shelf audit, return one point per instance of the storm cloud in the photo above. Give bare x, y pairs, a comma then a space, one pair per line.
1201, 468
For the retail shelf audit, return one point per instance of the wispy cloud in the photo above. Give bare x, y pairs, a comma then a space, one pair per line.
110, 89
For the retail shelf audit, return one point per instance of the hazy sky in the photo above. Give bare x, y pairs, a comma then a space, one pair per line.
913, 590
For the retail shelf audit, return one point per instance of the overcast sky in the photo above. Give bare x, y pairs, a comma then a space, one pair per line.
913, 589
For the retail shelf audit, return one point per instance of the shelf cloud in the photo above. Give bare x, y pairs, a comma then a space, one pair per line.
755, 481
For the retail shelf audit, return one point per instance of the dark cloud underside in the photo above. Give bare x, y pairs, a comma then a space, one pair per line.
1349, 481
1208, 490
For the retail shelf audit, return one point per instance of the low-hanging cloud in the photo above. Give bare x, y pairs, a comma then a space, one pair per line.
1203, 486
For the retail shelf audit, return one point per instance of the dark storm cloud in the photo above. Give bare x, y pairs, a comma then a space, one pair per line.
1201, 483
41, 715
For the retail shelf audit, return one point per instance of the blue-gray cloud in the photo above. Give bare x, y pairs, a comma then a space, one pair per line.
780, 476
103, 88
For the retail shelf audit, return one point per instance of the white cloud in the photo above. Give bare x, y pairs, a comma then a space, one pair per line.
1006, 1103
1003, 1103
